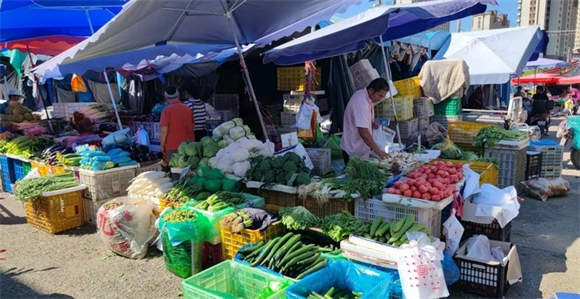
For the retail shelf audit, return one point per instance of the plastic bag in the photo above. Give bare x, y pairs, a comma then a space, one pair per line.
78, 84
453, 230
448, 149
543, 188
420, 267
471, 181
501, 204
333, 143
373, 283
478, 248
305, 114
383, 136
142, 137
118, 137
127, 226
450, 269
434, 133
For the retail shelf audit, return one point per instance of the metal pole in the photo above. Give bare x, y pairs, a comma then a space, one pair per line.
113, 100
247, 75
388, 70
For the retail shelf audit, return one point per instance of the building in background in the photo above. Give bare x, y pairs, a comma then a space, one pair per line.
442, 27
558, 17
577, 39
489, 20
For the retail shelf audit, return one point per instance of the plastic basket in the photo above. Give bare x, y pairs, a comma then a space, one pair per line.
21, 169
369, 209
488, 172
423, 107
493, 231
408, 128
90, 210
552, 155
156, 166
512, 165
43, 169
287, 119
403, 106
276, 199
444, 120
56, 211
422, 123
551, 171
232, 242
533, 164
409, 87
333, 206
6, 183
294, 78
464, 132
488, 279
7, 166
184, 259
229, 279
107, 183
321, 159
450, 106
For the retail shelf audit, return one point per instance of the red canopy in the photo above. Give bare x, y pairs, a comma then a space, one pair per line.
49, 45
540, 78
569, 80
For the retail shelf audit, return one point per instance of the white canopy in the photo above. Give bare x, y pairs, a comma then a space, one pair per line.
493, 55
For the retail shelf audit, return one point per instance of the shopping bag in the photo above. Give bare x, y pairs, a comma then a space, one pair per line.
453, 230
78, 84
420, 268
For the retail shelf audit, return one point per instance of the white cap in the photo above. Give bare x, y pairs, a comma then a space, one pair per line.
14, 92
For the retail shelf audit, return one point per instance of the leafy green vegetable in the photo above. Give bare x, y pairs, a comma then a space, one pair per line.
180, 215
298, 218
31, 189
359, 169
340, 225
365, 188
492, 134
288, 169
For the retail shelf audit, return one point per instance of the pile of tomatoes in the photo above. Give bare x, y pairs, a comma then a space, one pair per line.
431, 182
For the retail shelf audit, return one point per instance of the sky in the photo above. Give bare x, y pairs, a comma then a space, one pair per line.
509, 7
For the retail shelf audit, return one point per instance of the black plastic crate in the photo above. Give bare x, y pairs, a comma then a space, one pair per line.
482, 278
533, 165
493, 231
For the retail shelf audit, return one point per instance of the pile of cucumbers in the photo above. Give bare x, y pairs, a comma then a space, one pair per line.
220, 201
393, 233
286, 255
335, 293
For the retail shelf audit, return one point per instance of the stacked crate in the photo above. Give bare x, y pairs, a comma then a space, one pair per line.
552, 155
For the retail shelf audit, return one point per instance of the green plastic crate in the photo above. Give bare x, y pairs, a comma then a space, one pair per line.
448, 107
229, 279
26, 167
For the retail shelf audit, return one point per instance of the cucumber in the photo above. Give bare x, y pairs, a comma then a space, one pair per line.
294, 247
279, 243
395, 227
314, 268
409, 221
250, 249
383, 229
296, 253
375, 225
286, 247
310, 260
296, 259
265, 252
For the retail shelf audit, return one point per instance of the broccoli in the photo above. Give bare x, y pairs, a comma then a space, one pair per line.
302, 179
281, 178
265, 165
277, 162
269, 176
290, 167
293, 157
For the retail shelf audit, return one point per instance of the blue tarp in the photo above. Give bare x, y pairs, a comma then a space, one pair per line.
390, 22
23, 19
429, 40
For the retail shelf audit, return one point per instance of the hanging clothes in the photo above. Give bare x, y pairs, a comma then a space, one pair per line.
65, 96
101, 93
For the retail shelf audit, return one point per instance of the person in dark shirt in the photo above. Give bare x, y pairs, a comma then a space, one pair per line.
540, 102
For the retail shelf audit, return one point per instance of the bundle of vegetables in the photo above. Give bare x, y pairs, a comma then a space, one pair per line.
71, 159
396, 162
150, 184
448, 149
31, 189
195, 154
235, 158
230, 131
341, 225
365, 170
183, 192
337, 293
220, 201
431, 182
212, 180
288, 169
50, 155
120, 157
97, 113
285, 254
94, 159
471, 156
25, 146
180, 215
352, 187
492, 134
298, 218
236, 222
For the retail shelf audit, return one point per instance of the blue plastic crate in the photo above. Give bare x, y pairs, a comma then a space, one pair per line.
7, 166
19, 172
6, 183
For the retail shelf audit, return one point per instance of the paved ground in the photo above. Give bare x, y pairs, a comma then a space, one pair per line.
75, 264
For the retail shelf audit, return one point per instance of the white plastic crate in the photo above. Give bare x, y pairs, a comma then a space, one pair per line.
287, 119
107, 184
369, 209
90, 210
423, 122
321, 159
408, 128
512, 165
551, 171
423, 107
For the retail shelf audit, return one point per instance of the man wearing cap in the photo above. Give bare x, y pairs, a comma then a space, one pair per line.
176, 124
14, 97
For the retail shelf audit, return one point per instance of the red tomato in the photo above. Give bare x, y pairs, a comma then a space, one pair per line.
436, 197
408, 193
391, 190
397, 185
441, 172
416, 194
426, 196
398, 192
422, 188
434, 191
404, 187
413, 188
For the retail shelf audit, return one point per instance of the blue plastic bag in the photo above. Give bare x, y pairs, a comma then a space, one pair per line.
373, 283
450, 269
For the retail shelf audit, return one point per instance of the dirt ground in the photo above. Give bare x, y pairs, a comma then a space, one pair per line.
75, 264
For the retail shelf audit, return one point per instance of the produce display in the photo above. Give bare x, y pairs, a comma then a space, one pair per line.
236, 222
180, 215
71, 159
471, 156
18, 113
25, 146
448, 149
31, 189
397, 162
287, 255
96, 113
150, 184
335, 293
365, 170
50, 155
182, 192
492, 134
212, 180
220, 201
235, 158
230, 131
288, 169
431, 182
298, 218
29, 128
95, 159
195, 154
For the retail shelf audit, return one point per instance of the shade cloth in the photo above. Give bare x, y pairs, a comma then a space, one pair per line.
389, 21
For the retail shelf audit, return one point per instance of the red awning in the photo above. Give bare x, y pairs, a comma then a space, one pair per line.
50, 45
541, 78
569, 80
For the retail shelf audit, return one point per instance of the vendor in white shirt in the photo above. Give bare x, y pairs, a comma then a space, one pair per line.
357, 138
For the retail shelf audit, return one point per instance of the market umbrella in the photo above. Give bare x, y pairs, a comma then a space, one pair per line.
209, 25
540, 78
49, 45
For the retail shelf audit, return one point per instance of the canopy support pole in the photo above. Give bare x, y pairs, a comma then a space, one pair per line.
389, 78
113, 100
247, 74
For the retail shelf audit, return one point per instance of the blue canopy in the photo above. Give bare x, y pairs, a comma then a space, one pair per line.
390, 22
24, 19
430, 40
